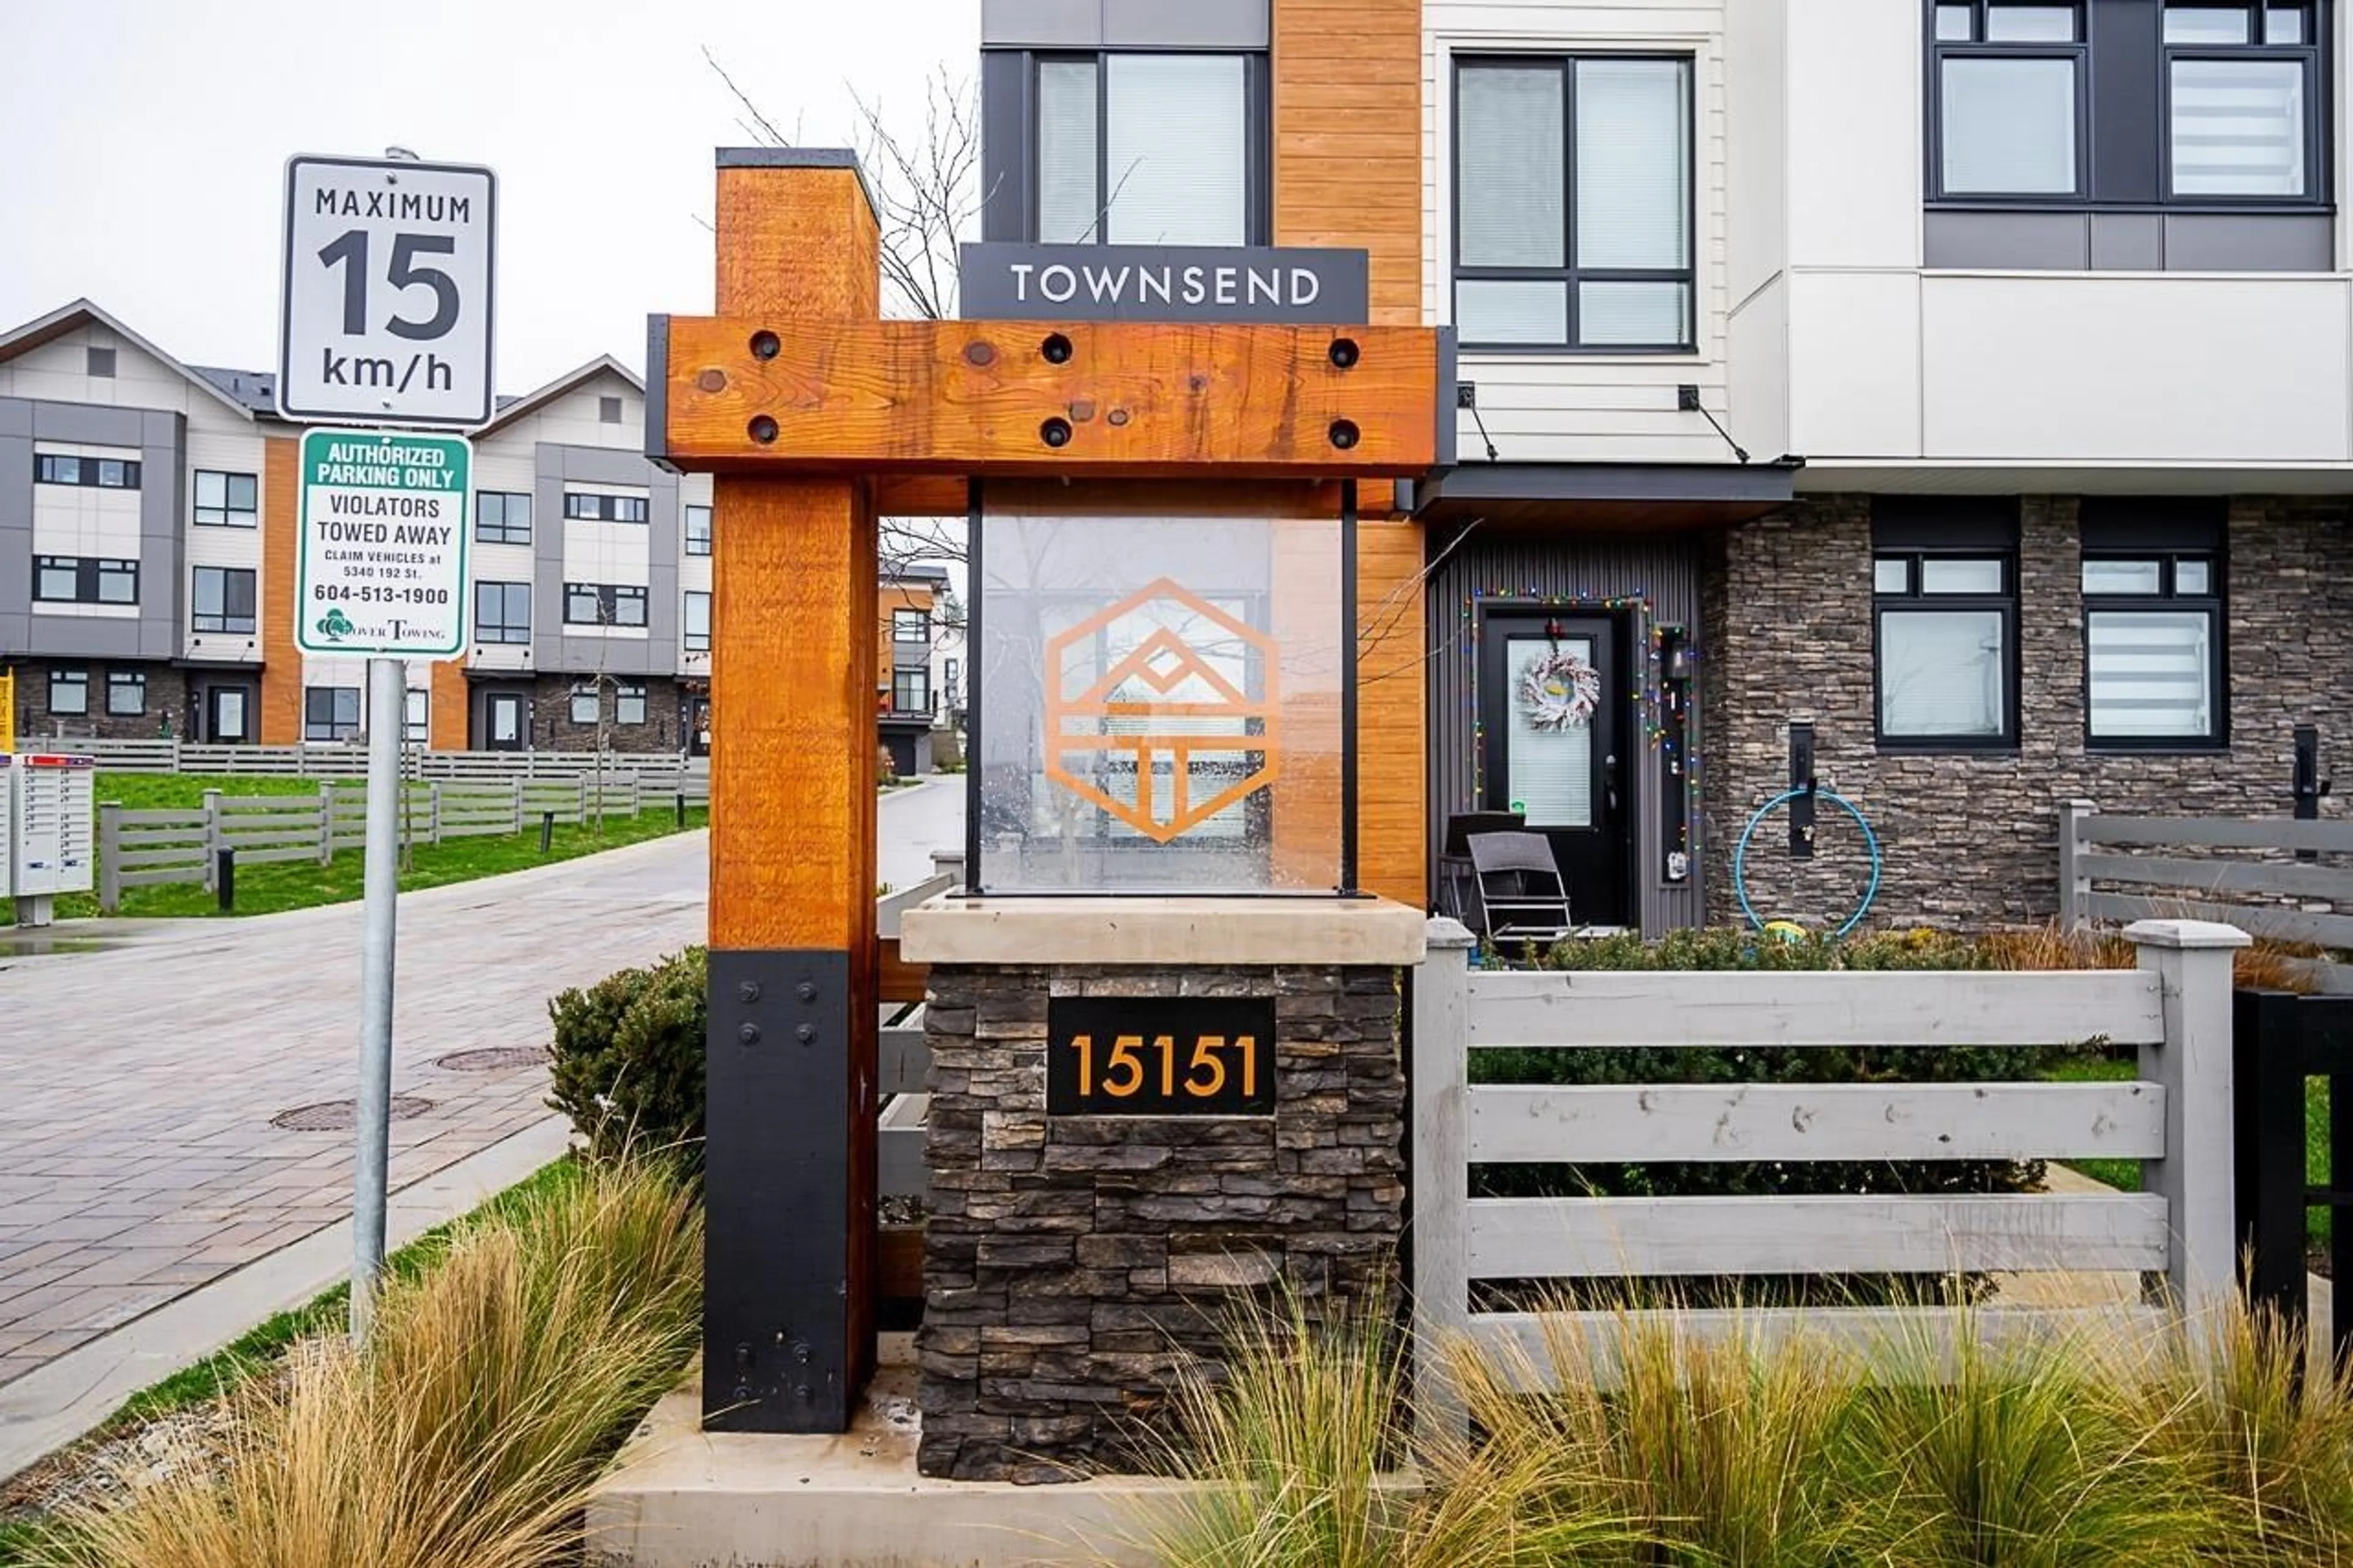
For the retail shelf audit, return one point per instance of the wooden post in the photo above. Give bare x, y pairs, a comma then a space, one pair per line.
790, 1152
1440, 1213
2074, 887
216, 834
2198, 1175
326, 821
109, 852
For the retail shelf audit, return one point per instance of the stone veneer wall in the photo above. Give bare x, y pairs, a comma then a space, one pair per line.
552, 705
167, 693
1971, 839
1070, 1262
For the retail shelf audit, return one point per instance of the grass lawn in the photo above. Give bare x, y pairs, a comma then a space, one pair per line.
267, 889
2124, 1175
255, 1352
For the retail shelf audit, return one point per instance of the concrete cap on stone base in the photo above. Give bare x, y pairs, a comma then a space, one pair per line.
1162, 931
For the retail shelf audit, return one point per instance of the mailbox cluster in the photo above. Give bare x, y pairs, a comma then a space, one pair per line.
50, 844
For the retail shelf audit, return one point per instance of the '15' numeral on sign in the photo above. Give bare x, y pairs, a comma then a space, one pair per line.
350, 250
1124, 1071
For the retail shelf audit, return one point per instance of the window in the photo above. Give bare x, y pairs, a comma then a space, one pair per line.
698, 531
628, 704
503, 517
2202, 104
126, 693
331, 713
910, 625
585, 708
2153, 628
227, 501
98, 363
951, 669
85, 580
698, 621
100, 473
603, 509
224, 599
911, 690
70, 692
609, 410
503, 612
604, 605
417, 717
1150, 149
1573, 203
1945, 598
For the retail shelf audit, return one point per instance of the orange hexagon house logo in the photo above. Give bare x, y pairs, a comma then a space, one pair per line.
1175, 704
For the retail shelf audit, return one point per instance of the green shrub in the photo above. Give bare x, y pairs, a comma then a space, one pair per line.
628, 1057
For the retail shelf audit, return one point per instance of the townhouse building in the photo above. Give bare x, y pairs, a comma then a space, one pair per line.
1948, 404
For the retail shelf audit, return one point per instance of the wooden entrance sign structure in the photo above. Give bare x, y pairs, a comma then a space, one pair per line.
818, 416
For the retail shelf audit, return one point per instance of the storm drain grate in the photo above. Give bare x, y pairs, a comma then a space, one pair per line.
492, 1058
343, 1115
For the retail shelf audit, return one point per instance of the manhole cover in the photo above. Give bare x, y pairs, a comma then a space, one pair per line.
492, 1058
343, 1115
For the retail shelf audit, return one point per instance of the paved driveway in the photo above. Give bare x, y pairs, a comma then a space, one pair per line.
138, 1156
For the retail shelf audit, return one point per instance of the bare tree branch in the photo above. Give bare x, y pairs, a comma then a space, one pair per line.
758, 126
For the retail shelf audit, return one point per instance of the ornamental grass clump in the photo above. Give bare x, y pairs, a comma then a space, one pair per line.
470, 1430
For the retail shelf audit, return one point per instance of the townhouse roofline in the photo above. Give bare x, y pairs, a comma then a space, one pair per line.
83, 312
571, 380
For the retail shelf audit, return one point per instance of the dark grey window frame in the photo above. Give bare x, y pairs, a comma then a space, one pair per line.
334, 726
1571, 275
503, 629
504, 530
134, 680
915, 680
608, 411
98, 363
625, 692
688, 530
90, 573
2169, 532
1258, 141
74, 677
690, 640
922, 621
227, 514
611, 598
227, 621
1932, 527
2123, 101
604, 508
592, 693
86, 470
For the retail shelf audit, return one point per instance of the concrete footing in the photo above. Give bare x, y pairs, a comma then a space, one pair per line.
682, 1498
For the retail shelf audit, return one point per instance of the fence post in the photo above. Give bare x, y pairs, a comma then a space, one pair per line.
2198, 1176
215, 835
433, 810
2267, 1084
2074, 887
1440, 1192
580, 789
514, 786
110, 857
326, 821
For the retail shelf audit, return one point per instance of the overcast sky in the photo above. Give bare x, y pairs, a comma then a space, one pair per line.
146, 143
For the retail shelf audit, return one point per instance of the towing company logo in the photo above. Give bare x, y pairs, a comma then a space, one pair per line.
335, 625
1169, 734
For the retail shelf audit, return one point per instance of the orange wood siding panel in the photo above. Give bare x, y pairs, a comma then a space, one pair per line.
891, 598
447, 704
281, 526
1347, 138
1392, 783
1139, 398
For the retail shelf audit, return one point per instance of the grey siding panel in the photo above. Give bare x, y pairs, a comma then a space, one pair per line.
89, 423
87, 637
2197, 242
2128, 242
661, 574
548, 556
15, 521
1004, 171
1570, 572
2057, 241
162, 542
1125, 24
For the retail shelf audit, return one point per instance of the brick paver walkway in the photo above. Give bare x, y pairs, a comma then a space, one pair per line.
138, 1160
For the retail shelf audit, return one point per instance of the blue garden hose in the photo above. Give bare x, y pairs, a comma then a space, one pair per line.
1740, 855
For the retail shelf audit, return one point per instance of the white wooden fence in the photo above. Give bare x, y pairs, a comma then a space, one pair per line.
147, 848
2274, 894
2176, 1119
663, 773
905, 1059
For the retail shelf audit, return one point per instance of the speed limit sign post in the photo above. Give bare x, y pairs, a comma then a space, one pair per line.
383, 320
385, 308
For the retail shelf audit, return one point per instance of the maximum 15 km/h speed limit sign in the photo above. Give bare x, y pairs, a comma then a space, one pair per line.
386, 294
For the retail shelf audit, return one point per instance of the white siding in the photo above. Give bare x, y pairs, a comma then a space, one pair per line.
1556, 408
1854, 133
693, 571
1854, 362
571, 420
231, 452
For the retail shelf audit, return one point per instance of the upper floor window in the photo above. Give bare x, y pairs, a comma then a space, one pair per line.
1573, 203
503, 517
101, 473
604, 605
911, 690
1944, 603
698, 529
606, 509
1149, 149
2190, 104
503, 612
2152, 581
85, 580
223, 600
609, 410
227, 501
910, 625
697, 627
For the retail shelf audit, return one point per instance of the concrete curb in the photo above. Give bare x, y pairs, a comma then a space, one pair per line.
52, 1405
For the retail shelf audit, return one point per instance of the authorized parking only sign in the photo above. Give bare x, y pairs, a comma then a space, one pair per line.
384, 543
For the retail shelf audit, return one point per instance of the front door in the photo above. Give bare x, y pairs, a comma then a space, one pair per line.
225, 720
503, 710
1551, 708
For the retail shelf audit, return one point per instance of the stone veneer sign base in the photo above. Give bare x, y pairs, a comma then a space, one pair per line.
1072, 1261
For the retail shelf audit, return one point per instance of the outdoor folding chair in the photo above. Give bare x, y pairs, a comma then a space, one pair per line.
1521, 895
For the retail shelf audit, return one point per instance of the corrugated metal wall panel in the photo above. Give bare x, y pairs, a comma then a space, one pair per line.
1529, 570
